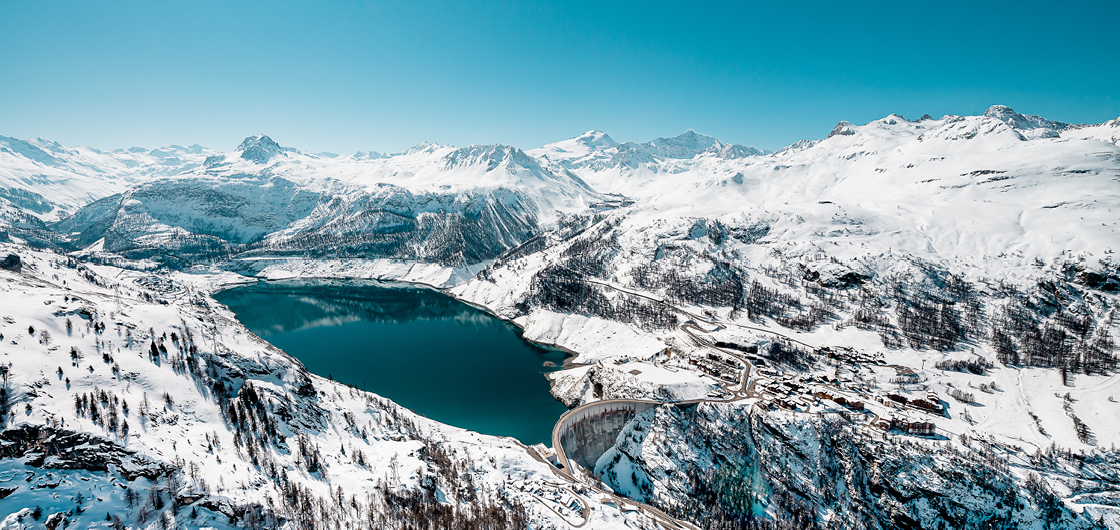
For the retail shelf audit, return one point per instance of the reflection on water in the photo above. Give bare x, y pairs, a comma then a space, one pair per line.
296, 306
419, 347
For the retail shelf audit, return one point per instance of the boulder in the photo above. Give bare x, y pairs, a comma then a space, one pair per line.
12, 263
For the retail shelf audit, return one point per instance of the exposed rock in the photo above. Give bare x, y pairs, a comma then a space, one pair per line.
50, 448
842, 129
737, 459
259, 149
55, 520
11, 262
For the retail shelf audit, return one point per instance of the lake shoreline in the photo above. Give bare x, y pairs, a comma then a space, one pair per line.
417, 345
569, 358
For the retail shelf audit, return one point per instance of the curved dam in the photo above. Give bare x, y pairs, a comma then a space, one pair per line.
584, 433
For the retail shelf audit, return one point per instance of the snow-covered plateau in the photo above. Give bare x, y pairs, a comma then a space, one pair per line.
907, 324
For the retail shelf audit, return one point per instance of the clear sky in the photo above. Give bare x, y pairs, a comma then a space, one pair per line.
348, 76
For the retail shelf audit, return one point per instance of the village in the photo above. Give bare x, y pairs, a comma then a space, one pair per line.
857, 388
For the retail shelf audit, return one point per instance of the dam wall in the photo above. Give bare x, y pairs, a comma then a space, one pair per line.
583, 434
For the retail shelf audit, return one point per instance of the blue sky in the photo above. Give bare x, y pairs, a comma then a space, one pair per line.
347, 76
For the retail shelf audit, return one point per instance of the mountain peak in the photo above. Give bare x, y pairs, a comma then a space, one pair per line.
422, 147
27, 150
689, 139
491, 156
1033, 126
259, 149
367, 155
596, 138
842, 129
1000, 112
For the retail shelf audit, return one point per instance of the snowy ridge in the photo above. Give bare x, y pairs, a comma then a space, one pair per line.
955, 277
158, 408
1034, 127
436, 204
888, 215
596, 151
49, 181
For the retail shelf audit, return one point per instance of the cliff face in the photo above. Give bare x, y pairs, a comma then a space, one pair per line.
730, 462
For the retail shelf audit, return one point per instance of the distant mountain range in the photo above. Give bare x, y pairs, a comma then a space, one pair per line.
958, 271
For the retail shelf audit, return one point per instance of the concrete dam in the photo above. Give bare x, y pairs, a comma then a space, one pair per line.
584, 433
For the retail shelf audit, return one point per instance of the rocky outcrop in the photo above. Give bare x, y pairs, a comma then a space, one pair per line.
730, 461
49, 448
11, 262
259, 149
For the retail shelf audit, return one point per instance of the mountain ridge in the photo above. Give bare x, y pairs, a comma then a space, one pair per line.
846, 317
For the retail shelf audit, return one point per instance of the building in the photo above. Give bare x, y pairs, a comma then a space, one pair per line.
921, 428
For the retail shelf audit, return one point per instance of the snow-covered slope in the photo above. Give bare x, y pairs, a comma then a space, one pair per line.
424, 168
135, 398
925, 242
852, 229
807, 468
50, 181
597, 150
965, 263
439, 204
596, 155
973, 189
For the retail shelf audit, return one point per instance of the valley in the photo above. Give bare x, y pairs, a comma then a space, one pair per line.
906, 324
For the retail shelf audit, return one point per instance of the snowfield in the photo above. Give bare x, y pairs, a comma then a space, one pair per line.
162, 371
908, 323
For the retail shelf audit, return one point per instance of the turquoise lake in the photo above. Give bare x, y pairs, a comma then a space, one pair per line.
418, 347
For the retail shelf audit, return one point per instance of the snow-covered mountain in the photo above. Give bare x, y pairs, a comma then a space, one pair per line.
50, 181
132, 400
432, 203
598, 150
964, 263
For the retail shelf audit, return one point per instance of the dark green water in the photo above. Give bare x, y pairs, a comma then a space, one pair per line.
427, 351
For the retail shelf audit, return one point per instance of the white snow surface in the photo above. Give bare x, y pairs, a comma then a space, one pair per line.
190, 430
1001, 198
64, 179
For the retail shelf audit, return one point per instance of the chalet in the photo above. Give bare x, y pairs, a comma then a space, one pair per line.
923, 404
851, 404
921, 428
788, 404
